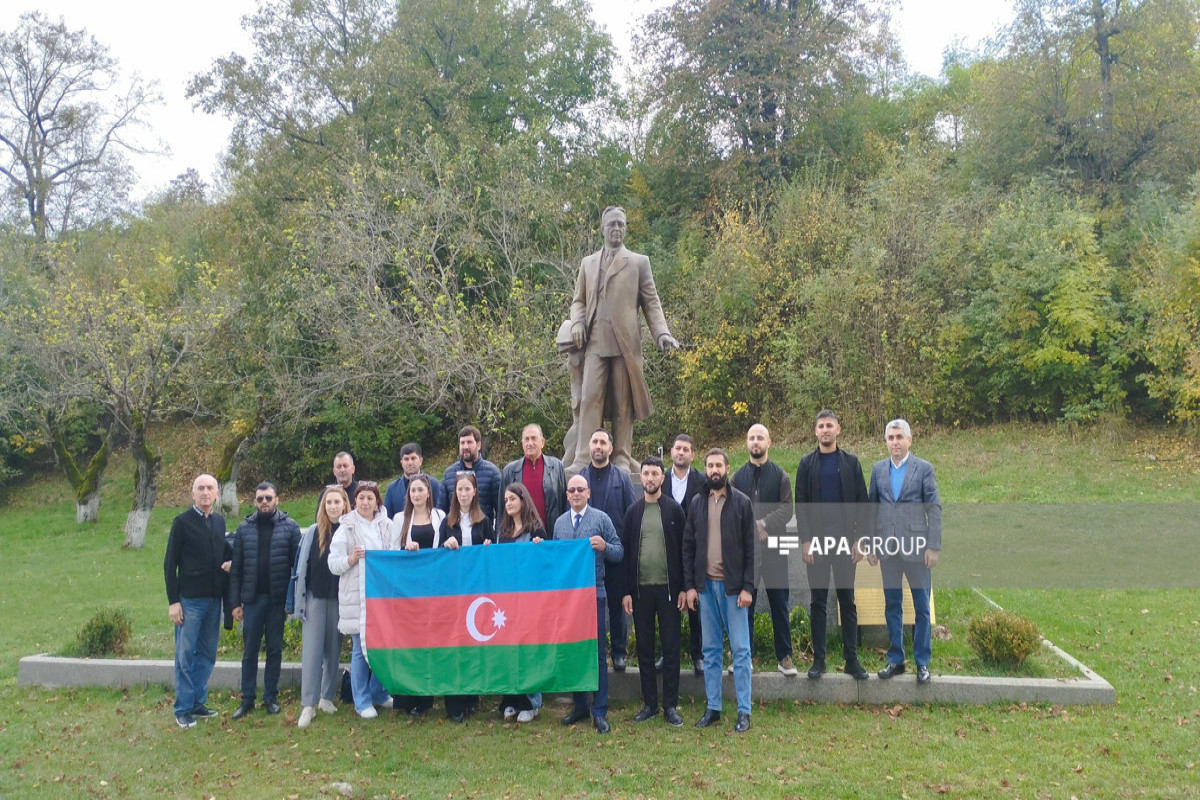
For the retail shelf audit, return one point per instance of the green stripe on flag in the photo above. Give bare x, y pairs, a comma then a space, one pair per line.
493, 669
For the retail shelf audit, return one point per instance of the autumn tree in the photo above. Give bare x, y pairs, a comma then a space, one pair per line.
67, 120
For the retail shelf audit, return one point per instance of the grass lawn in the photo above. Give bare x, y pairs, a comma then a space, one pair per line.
1146, 642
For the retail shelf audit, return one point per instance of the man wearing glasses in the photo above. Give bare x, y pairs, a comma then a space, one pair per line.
264, 549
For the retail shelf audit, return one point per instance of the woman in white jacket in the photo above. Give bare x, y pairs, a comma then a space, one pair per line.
365, 528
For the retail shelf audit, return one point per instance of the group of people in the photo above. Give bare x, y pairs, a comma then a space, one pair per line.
694, 542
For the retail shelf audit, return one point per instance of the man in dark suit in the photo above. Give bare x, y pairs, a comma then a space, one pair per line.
906, 542
653, 571
684, 483
830, 502
542, 475
611, 491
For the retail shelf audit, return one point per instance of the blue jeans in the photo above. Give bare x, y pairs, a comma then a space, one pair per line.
720, 616
891, 569
600, 698
195, 651
261, 618
367, 689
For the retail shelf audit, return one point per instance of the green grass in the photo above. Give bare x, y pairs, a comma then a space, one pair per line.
1147, 643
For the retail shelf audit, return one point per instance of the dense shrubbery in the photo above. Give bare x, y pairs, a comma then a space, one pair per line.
1004, 638
105, 634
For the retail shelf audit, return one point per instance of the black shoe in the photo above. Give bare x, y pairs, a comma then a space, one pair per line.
891, 670
458, 717
671, 715
857, 672
243, 710
698, 668
473, 707
417, 711
185, 721
647, 713
816, 670
576, 716
743, 722
710, 717
601, 724
204, 712
923, 675
658, 664
618, 663
273, 708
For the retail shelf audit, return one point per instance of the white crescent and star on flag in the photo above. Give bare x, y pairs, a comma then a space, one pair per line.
498, 618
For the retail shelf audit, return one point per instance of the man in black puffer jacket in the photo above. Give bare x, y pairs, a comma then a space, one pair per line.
264, 549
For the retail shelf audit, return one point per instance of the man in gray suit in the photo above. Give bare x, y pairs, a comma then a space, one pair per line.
906, 542
543, 475
613, 283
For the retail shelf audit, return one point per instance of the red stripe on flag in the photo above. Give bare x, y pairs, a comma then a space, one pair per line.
504, 618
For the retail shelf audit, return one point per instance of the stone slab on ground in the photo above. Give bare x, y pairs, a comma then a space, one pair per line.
54, 672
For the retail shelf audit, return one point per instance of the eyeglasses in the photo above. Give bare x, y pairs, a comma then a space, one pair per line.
576, 489
368, 484
264, 498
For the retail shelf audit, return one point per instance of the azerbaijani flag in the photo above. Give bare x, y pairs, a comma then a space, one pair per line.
505, 619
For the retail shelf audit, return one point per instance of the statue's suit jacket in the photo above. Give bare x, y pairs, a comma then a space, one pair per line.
629, 285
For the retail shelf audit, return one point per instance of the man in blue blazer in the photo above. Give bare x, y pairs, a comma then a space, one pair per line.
581, 521
611, 491
906, 541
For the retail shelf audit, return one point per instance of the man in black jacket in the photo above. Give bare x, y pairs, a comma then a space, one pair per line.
769, 490
193, 568
718, 573
264, 549
653, 578
830, 501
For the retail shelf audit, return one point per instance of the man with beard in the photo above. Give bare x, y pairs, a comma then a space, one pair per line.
264, 550
685, 483
487, 474
769, 489
830, 501
412, 460
718, 572
611, 491
653, 567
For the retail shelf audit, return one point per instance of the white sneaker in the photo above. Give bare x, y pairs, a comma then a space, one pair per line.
369, 713
387, 703
731, 669
509, 712
527, 716
327, 706
306, 716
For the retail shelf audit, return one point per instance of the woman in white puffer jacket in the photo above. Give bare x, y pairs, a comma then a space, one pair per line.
367, 527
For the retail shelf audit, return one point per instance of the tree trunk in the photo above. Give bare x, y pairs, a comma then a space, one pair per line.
86, 483
145, 488
230, 467
227, 479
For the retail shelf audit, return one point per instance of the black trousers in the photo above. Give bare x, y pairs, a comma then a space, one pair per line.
618, 628
651, 603
843, 569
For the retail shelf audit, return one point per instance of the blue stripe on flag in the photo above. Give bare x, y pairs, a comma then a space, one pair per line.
524, 567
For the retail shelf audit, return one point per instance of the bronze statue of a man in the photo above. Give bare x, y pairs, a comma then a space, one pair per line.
613, 283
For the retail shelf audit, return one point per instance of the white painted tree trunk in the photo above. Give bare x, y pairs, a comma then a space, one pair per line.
227, 502
89, 509
135, 528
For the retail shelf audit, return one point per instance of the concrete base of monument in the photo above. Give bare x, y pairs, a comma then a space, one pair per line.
1091, 689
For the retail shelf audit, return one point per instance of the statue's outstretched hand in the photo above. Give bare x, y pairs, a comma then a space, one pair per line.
667, 342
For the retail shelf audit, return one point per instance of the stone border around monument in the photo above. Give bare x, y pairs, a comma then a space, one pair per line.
54, 672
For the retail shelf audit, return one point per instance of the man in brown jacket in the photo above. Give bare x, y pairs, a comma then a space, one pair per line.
613, 283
